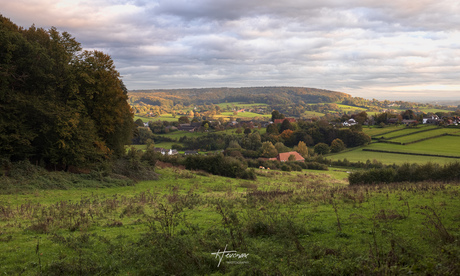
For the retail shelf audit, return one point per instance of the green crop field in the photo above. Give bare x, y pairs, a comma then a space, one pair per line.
248, 115
424, 135
358, 155
163, 117
346, 108
299, 223
405, 131
240, 105
445, 145
378, 131
434, 110
312, 114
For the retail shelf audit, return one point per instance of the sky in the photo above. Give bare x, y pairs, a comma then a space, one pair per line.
396, 50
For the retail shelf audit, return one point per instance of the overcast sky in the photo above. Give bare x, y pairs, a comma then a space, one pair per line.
399, 49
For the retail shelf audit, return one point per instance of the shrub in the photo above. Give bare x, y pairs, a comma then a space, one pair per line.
321, 148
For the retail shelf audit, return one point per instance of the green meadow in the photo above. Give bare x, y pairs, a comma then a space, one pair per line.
431, 141
283, 223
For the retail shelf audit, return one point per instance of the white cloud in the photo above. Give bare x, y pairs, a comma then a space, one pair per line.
363, 47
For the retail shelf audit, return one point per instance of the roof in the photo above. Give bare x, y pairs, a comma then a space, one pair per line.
280, 121
283, 157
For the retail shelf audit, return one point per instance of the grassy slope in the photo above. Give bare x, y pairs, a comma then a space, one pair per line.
371, 219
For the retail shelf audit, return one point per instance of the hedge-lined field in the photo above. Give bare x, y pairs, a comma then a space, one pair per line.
404, 131
411, 138
445, 145
358, 155
379, 131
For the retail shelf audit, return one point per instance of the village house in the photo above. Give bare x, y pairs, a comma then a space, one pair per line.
280, 121
190, 127
165, 151
433, 120
284, 157
350, 122
409, 122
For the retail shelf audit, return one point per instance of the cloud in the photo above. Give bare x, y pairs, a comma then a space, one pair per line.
363, 47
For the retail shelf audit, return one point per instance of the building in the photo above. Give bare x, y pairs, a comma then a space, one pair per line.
284, 156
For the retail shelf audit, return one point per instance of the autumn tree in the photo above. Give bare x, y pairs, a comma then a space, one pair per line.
302, 149
268, 150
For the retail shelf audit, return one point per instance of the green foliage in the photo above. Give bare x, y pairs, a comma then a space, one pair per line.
337, 145
219, 165
408, 173
321, 148
60, 106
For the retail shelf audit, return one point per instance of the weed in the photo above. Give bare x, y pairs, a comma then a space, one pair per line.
435, 226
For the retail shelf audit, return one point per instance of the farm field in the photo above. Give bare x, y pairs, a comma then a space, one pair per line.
445, 145
311, 114
347, 108
358, 155
404, 131
425, 135
377, 131
163, 117
249, 115
240, 105
307, 222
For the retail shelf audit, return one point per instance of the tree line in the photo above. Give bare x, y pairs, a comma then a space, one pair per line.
59, 105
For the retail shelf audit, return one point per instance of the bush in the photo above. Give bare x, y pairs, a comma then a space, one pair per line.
219, 165
321, 148
408, 173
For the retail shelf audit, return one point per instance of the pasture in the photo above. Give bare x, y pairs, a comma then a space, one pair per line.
307, 222
404, 131
358, 155
432, 133
422, 140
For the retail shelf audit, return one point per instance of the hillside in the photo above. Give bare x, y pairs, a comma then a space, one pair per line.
267, 95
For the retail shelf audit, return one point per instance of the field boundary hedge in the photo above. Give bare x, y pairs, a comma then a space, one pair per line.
380, 136
412, 153
415, 132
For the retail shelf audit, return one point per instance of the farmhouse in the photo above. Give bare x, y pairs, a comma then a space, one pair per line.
280, 121
284, 157
350, 122
433, 120
165, 151
409, 122
189, 127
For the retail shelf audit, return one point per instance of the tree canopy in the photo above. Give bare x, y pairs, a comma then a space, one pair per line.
58, 104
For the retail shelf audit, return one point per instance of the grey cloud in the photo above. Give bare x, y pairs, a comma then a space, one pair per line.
355, 46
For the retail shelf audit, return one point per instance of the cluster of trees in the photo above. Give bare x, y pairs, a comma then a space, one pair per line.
58, 104
268, 95
408, 173
220, 165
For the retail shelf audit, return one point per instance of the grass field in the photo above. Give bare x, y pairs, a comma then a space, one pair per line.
445, 145
311, 114
347, 108
378, 131
241, 105
358, 155
404, 131
425, 135
249, 115
302, 223
163, 117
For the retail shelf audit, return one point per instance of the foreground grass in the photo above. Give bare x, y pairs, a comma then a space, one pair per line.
305, 222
